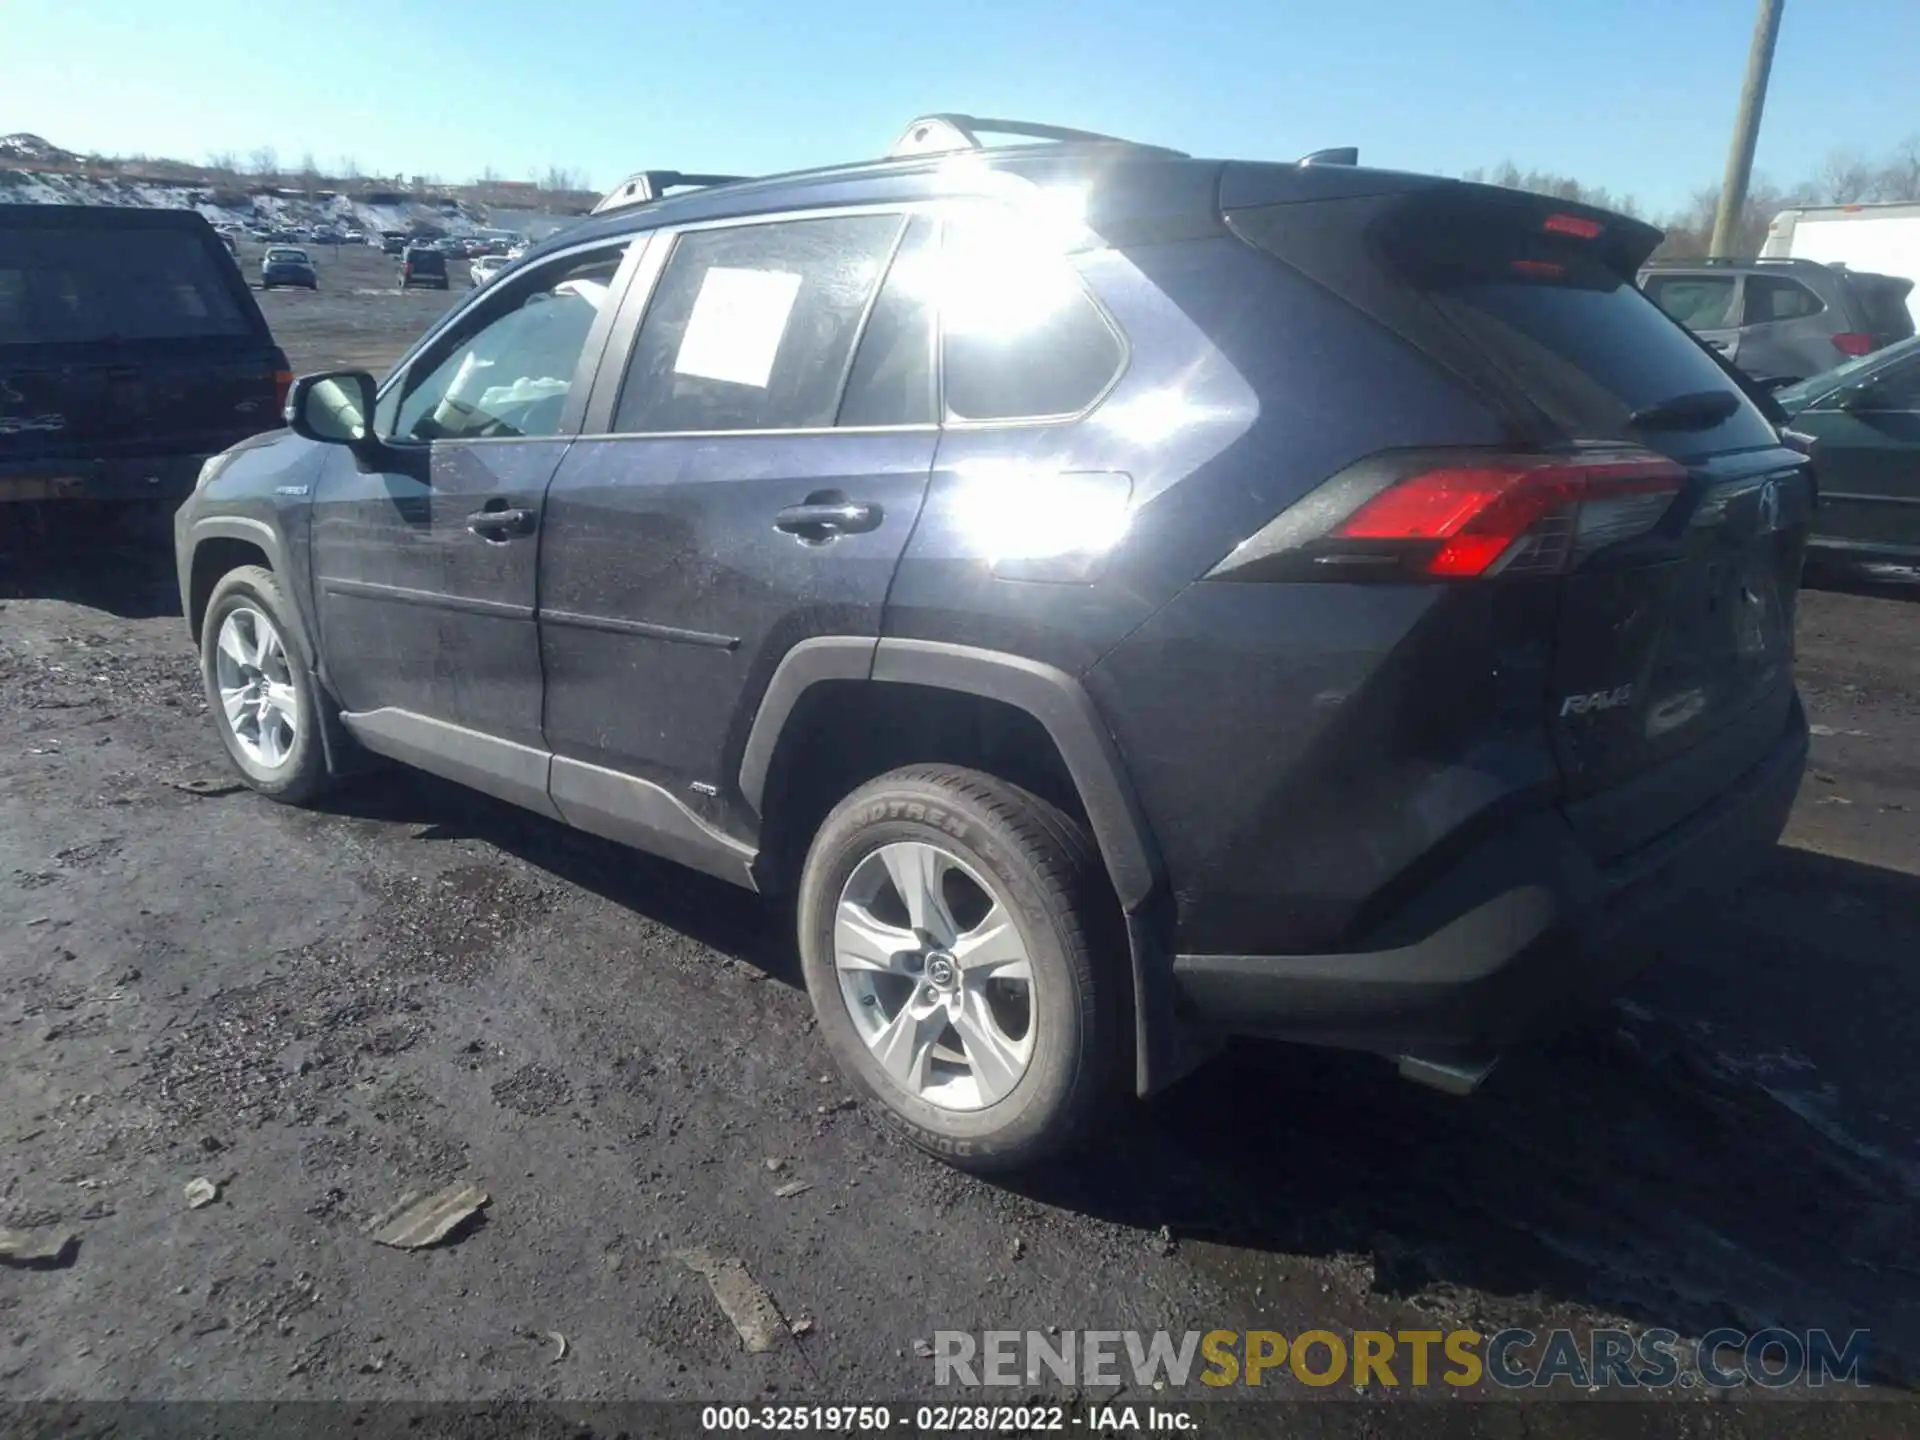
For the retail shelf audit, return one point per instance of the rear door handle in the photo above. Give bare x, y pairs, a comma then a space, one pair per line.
818, 520
500, 524
1719, 345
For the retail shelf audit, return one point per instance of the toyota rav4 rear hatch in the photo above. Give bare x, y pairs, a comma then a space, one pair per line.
1643, 476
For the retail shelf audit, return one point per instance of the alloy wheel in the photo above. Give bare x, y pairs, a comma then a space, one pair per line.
255, 680
936, 975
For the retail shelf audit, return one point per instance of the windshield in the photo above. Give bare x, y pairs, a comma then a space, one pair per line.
1796, 397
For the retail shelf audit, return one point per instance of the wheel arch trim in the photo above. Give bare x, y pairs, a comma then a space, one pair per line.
234, 527
1051, 696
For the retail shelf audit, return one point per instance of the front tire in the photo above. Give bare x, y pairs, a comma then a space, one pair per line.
948, 925
263, 700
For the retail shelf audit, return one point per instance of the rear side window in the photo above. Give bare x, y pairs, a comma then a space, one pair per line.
1699, 302
753, 327
1021, 338
63, 286
1773, 297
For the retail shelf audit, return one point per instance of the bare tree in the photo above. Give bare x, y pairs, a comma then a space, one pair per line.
225, 163
309, 174
348, 168
1561, 187
1899, 178
560, 179
1845, 178
265, 162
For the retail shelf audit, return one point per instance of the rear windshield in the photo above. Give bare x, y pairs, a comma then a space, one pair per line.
61, 286
1883, 298
1589, 349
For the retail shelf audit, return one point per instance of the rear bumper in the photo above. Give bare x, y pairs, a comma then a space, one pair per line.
141, 477
1529, 927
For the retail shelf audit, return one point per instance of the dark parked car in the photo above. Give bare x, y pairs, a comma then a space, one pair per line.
1864, 420
131, 349
422, 265
288, 265
1782, 320
1125, 600
393, 242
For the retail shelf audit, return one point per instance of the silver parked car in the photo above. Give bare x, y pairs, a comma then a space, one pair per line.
484, 268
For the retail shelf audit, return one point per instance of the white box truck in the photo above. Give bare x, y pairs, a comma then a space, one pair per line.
1883, 239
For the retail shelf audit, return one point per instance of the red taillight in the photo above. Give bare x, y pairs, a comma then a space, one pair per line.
282, 383
1853, 342
1525, 515
1575, 225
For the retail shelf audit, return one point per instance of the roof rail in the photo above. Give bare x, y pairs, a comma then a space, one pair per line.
645, 186
1787, 261
937, 134
1339, 155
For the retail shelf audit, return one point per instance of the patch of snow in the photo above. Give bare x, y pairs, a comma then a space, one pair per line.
273, 211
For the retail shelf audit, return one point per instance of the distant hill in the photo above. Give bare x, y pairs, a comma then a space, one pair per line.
34, 171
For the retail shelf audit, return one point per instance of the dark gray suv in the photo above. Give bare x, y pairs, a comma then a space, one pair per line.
1119, 599
1782, 320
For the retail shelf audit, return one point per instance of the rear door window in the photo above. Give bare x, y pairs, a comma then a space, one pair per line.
1020, 336
81, 284
892, 381
1774, 297
752, 327
1699, 302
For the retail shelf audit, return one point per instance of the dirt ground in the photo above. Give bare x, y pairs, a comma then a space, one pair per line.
322, 1012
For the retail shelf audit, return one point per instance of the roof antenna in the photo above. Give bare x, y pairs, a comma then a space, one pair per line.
1341, 155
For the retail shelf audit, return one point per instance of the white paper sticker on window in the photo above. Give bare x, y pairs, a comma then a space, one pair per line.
738, 320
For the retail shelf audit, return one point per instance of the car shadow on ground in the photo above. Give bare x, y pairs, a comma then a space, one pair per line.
1879, 582
723, 917
1682, 1160
115, 559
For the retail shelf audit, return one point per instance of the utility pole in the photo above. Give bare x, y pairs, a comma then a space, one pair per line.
1746, 128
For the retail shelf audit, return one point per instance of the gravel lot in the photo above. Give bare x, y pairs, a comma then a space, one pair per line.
324, 1011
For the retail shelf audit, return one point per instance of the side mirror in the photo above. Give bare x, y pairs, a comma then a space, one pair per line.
1864, 396
334, 408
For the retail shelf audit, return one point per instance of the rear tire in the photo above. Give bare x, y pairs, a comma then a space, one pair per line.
264, 702
978, 1017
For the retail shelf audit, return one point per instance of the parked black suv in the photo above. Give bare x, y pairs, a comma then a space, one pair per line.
423, 265
131, 349
1123, 599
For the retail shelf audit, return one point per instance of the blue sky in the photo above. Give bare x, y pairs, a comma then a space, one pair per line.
1635, 95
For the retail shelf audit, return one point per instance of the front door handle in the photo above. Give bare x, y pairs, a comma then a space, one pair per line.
820, 520
500, 524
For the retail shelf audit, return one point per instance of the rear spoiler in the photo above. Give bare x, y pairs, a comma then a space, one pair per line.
1439, 214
